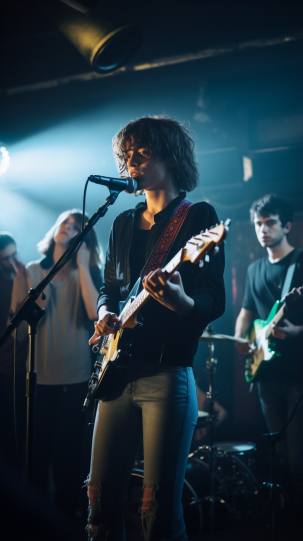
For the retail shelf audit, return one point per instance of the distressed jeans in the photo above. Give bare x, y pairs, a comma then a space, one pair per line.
159, 403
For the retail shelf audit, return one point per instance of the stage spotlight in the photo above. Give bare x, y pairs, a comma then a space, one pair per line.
4, 159
247, 169
101, 37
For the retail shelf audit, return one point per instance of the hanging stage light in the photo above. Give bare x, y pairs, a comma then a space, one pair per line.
102, 38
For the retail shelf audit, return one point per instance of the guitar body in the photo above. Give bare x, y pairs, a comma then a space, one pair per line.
115, 354
262, 346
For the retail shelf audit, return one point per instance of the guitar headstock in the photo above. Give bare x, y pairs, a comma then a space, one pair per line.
199, 246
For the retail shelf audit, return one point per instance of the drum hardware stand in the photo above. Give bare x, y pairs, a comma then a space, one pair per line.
30, 311
210, 337
33, 317
211, 364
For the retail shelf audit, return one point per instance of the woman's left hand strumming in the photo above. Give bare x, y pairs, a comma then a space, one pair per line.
168, 291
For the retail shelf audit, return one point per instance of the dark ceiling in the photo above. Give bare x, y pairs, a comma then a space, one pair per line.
33, 50
242, 95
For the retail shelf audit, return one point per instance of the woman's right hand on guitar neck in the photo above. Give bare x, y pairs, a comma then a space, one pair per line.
105, 325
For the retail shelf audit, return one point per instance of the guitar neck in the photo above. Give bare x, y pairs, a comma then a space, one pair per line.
195, 249
276, 319
131, 309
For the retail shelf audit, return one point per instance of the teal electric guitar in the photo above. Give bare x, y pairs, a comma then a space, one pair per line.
261, 343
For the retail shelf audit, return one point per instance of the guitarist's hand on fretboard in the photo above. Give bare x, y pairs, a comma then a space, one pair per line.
294, 299
287, 331
168, 291
293, 302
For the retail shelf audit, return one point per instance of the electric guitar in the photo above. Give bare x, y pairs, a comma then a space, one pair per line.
261, 343
115, 349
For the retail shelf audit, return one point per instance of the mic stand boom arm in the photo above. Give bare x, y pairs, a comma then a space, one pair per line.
30, 312
34, 294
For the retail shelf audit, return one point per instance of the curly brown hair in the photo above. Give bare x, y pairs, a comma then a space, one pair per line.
168, 141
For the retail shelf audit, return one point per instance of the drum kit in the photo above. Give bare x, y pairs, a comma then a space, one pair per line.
220, 489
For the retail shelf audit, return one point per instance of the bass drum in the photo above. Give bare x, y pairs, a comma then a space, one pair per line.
245, 450
192, 514
235, 488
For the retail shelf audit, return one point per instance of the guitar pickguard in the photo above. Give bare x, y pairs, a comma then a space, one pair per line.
263, 347
110, 347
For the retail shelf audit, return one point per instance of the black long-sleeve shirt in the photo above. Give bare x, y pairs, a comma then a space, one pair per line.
165, 335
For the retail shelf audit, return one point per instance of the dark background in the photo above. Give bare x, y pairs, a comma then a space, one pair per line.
240, 96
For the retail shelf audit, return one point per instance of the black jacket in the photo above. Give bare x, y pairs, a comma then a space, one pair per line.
166, 334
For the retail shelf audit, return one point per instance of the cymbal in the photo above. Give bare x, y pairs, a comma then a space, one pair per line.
202, 418
202, 414
212, 337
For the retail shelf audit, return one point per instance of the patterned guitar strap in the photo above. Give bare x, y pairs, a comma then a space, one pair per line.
290, 272
161, 250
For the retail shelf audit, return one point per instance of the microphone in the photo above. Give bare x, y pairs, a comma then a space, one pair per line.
126, 184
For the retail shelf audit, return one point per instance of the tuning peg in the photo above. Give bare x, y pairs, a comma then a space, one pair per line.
201, 232
201, 263
206, 258
216, 250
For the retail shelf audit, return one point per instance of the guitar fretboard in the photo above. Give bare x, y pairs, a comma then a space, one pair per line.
276, 320
193, 251
131, 308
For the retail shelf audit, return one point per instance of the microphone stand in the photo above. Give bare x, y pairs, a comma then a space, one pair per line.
30, 312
